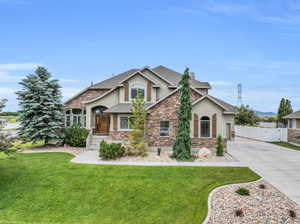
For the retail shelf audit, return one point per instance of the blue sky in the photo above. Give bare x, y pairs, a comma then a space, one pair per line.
255, 43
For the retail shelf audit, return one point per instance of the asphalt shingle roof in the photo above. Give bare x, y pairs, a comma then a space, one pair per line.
293, 115
171, 76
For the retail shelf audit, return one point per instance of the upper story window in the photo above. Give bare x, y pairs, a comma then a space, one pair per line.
205, 127
134, 90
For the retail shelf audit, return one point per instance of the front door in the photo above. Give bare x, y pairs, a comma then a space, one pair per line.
102, 124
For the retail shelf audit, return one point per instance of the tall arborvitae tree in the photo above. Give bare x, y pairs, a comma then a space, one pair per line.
285, 108
138, 126
41, 113
183, 142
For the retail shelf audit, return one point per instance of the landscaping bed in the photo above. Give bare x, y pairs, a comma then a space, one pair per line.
265, 204
67, 149
165, 157
48, 188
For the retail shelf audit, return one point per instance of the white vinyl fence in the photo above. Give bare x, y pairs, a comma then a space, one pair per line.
263, 134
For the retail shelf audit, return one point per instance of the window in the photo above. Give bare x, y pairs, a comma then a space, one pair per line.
205, 127
75, 116
126, 122
134, 90
164, 128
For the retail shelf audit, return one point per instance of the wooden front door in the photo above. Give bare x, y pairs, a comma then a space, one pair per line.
102, 124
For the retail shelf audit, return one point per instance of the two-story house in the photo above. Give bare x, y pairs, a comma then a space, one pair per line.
105, 108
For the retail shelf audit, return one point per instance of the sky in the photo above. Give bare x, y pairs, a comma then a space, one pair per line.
255, 43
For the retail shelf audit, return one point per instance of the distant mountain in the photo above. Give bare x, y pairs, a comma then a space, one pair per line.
259, 113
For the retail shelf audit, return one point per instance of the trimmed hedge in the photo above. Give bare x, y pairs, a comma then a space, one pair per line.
76, 136
111, 151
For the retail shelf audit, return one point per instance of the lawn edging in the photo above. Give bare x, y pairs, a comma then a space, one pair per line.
209, 200
286, 145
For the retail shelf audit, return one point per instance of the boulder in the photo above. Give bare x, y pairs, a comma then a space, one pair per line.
204, 153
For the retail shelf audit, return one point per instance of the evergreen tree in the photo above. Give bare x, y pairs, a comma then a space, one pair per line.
285, 108
2, 105
183, 142
41, 114
138, 123
246, 116
281, 110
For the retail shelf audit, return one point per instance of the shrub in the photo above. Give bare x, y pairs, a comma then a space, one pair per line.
220, 146
111, 151
243, 191
76, 136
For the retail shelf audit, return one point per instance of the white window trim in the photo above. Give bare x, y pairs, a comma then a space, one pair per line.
138, 84
169, 129
119, 123
210, 126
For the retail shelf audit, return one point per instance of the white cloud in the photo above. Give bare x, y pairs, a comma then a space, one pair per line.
8, 78
18, 66
224, 8
284, 20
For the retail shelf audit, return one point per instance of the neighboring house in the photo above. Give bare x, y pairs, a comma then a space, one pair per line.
104, 108
293, 120
294, 127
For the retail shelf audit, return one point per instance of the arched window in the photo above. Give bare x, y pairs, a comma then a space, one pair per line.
99, 110
134, 90
205, 127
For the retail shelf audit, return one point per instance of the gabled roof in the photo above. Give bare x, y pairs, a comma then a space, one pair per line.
295, 115
165, 73
228, 109
175, 77
113, 81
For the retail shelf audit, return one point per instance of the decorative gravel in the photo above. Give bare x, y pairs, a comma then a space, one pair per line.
68, 149
165, 157
267, 205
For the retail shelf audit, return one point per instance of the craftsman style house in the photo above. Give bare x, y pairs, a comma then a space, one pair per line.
104, 108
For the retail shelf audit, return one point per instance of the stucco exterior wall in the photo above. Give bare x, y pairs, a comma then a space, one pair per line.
107, 101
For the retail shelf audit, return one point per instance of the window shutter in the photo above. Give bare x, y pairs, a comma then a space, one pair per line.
196, 126
115, 122
126, 92
214, 126
149, 91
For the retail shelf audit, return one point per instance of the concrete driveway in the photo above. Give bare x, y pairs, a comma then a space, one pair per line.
279, 166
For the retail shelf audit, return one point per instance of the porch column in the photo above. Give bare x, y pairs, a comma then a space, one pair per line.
88, 117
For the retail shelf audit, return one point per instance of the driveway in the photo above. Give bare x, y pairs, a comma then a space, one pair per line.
279, 166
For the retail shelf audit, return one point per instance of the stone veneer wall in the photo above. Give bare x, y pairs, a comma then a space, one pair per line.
118, 135
294, 136
167, 110
77, 102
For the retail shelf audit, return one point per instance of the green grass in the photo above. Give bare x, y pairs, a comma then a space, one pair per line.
48, 188
287, 145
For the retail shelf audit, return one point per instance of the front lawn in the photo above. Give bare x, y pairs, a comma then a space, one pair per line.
48, 188
287, 145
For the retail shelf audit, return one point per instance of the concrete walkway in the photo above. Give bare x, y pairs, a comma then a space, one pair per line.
278, 165
91, 157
